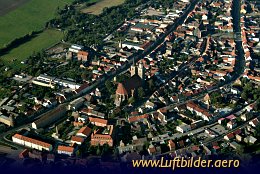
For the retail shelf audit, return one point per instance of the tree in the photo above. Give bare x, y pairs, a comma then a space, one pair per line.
105, 150
78, 153
257, 105
215, 98
98, 150
257, 132
110, 86
151, 85
84, 75
141, 92
131, 100
244, 95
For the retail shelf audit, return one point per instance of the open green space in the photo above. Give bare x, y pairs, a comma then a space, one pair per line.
31, 16
99, 5
40, 42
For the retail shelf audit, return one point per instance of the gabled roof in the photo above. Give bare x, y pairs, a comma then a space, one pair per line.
171, 144
66, 149
77, 139
121, 89
137, 118
97, 120
33, 141
84, 130
237, 132
231, 135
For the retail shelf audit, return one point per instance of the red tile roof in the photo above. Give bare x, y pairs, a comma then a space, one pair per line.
77, 139
230, 135
137, 118
31, 140
121, 89
171, 144
85, 130
97, 120
66, 149
83, 53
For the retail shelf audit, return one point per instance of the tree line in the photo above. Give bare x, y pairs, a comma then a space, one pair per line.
18, 41
89, 29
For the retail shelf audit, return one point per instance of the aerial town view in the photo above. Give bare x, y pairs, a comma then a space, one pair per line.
114, 85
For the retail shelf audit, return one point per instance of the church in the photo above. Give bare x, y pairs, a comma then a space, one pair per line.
129, 87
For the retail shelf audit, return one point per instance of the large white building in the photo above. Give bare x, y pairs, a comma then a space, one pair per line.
31, 143
76, 48
49, 81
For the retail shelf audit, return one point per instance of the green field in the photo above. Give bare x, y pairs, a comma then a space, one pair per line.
29, 17
40, 42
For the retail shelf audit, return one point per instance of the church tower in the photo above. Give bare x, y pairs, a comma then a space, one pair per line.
133, 70
141, 71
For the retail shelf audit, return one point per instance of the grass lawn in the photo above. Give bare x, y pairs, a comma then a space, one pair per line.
31, 16
98, 7
40, 42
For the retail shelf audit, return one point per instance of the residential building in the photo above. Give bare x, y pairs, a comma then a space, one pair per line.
31, 143
102, 137
98, 121
77, 140
50, 117
183, 128
84, 132
82, 56
66, 150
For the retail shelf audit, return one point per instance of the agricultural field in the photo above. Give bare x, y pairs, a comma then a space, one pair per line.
22, 17
99, 5
40, 42
7, 6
